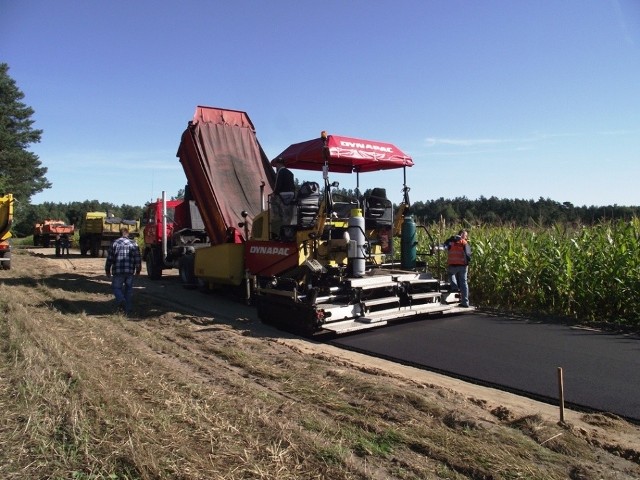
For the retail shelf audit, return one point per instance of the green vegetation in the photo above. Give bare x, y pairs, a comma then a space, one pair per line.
496, 211
506, 211
589, 274
21, 172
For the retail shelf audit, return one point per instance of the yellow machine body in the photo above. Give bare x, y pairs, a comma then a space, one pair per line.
221, 264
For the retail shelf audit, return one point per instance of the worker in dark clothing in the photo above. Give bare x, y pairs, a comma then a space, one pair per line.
57, 243
64, 244
458, 259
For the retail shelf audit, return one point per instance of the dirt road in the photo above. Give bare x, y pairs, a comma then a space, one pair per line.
194, 386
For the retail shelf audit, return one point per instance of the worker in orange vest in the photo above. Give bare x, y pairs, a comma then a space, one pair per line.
458, 259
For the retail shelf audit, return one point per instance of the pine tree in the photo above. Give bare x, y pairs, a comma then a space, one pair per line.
21, 172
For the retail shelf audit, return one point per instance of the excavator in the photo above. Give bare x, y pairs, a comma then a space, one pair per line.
310, 260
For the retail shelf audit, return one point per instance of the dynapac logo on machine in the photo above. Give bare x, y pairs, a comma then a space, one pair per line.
270, 250
366, 146
270, 258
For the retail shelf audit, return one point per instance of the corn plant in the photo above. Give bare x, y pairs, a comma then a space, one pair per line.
587, 273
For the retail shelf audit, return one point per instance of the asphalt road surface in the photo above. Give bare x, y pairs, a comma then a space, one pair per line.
601, 370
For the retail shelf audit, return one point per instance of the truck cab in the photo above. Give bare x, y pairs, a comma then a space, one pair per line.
172, 231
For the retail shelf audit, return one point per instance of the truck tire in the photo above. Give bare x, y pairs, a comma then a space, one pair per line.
84, 248
154, 268
95, 247
6, 265
186, 267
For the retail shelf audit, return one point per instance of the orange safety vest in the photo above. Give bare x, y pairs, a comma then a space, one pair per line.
457, 255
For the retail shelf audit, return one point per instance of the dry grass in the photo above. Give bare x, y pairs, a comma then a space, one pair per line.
91, 395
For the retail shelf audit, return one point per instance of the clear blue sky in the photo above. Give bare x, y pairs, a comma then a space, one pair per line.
513, 99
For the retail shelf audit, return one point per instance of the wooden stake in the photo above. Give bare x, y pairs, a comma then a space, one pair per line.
561, 393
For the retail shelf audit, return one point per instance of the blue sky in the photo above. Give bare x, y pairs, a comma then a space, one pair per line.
513, 99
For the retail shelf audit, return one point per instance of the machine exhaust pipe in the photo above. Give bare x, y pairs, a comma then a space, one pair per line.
164, 227
262, 196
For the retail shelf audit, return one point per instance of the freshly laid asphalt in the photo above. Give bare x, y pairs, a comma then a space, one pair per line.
601, 370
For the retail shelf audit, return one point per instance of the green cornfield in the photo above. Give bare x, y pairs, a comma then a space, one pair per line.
588, 274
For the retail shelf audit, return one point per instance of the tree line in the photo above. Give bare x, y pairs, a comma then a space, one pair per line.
520, 212
72, 213
504, 211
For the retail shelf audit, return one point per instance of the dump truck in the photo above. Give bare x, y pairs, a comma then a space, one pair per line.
172, 231
46, 232
6, 219
311, 261
98, 230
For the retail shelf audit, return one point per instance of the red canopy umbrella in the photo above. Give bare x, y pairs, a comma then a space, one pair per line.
344, 155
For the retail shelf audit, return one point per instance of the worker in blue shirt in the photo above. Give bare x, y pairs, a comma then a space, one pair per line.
123, 262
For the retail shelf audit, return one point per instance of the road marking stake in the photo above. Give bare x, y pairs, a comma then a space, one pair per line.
561, 393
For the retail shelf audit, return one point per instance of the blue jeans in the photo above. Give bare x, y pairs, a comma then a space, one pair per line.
123, 290
458, 280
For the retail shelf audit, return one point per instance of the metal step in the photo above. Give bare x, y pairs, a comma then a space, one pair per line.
351, 326
380, 301
380, 281
378, 319
421, 281
415, 278
417, 296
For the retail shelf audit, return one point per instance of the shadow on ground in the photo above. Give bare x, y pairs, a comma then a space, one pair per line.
160, 300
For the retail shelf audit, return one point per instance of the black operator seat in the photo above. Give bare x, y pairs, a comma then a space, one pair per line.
285, 185
308, 204
378, 210
343, 204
